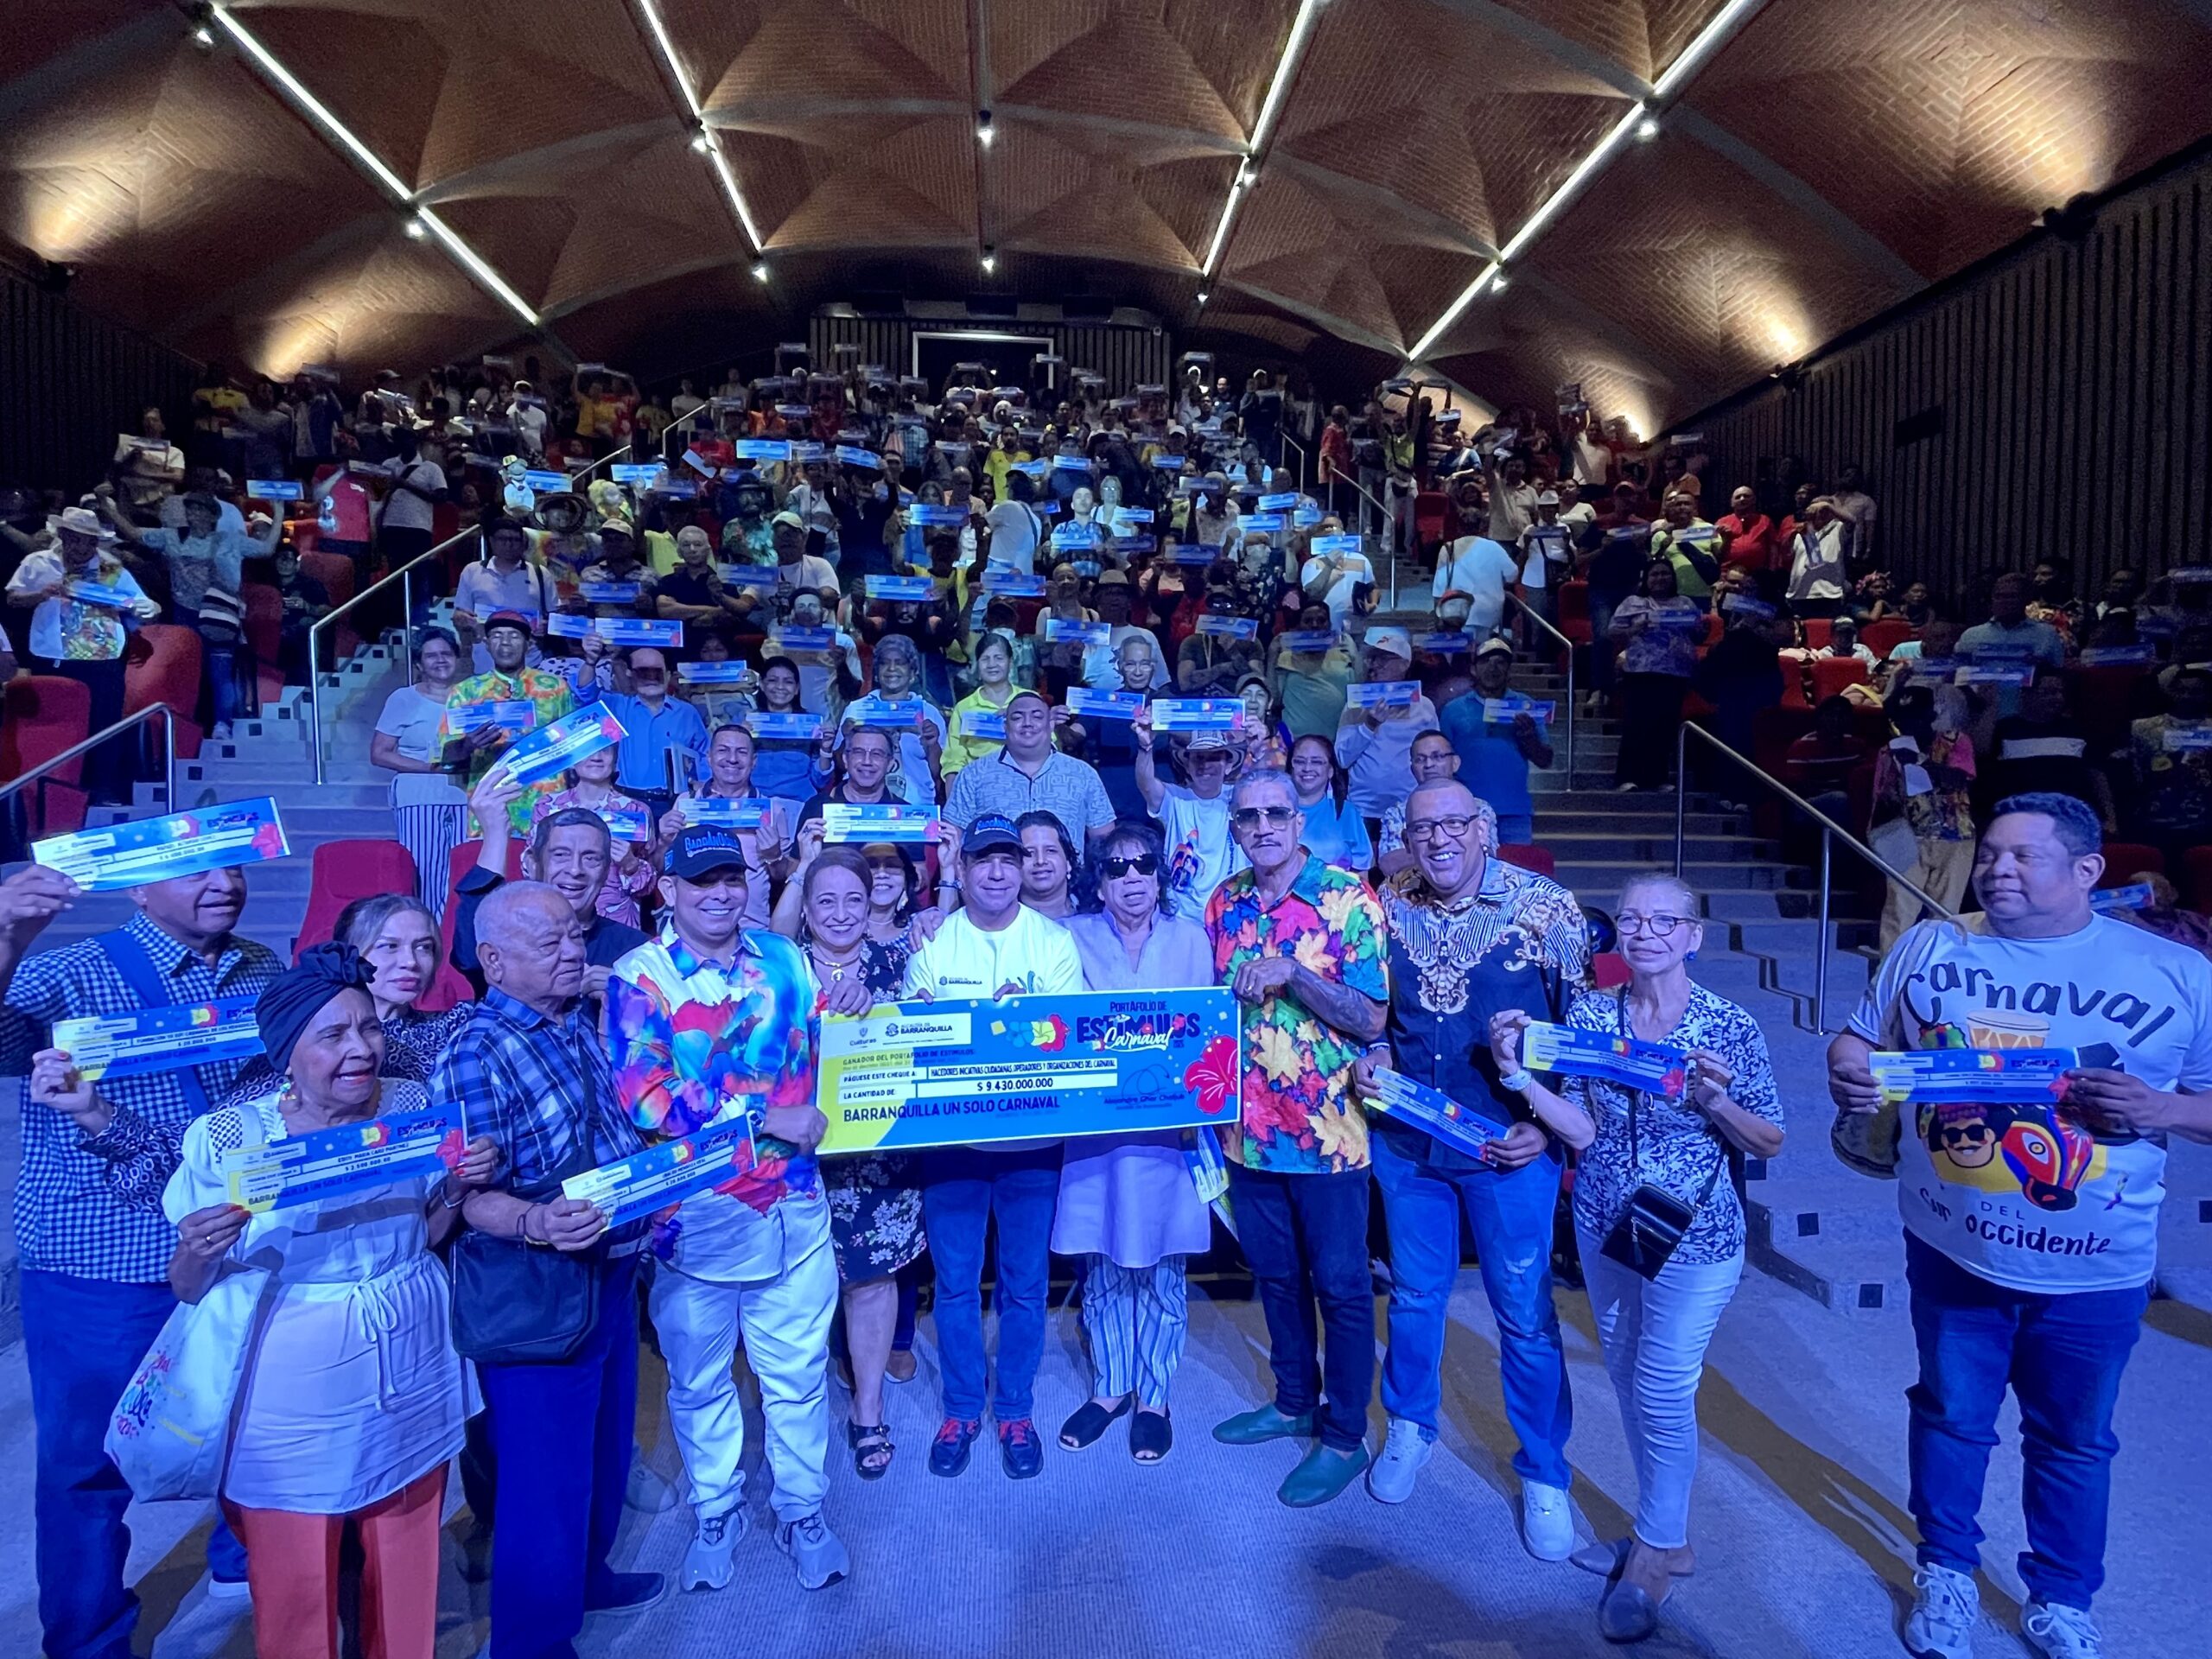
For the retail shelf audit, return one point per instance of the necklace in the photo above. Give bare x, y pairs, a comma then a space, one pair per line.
833, 966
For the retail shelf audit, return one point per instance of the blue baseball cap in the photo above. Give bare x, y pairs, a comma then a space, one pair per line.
992, 833
700, 849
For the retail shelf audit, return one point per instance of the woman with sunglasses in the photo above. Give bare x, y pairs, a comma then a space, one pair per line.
1655, 1318
1127, 1204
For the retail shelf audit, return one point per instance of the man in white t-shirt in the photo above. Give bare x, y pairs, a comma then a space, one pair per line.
526, 414
1193, 822
2031, 1224
1479, 568
992, 946
1015, 527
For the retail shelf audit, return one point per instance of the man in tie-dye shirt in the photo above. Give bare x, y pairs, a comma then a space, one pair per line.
707, 1022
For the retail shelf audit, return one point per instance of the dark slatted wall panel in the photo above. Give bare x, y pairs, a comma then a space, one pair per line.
2074, 386
1127, 356
69, 383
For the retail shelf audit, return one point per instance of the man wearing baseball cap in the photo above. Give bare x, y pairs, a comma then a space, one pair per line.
1374, 745
800, 571
507, 636
709, 1021
1495, 753
993, 945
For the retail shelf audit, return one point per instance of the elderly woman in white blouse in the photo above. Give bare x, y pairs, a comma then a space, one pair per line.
352, 1399
1128, 1203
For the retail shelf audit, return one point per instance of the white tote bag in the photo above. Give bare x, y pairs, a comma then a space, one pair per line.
171, 1431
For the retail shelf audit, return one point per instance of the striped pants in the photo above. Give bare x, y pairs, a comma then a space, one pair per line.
431, 834
1136, 1318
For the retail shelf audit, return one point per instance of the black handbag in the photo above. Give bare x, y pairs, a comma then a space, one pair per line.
517, 1304
1646, 1236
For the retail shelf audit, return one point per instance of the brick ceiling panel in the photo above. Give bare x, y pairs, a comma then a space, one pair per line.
1050, 188
1671, 26
43, 34
1618, 29
911, 181
1455, 119
1672, 245
1153, 63
382, 76
794, 54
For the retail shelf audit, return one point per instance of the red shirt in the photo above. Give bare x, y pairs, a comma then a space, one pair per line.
1751, 541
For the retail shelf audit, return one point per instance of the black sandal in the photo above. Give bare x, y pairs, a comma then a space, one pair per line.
871, 1449
1091, 1421
1152, 1436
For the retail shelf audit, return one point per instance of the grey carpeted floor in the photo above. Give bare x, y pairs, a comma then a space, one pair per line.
1799, 1523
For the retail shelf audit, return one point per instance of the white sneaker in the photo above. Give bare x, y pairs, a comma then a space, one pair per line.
221, 732
646, 1491
1945, 1608
228, 1589
1391, 1477
2060, 1632
817, 1552
1547, 1521
707, 1564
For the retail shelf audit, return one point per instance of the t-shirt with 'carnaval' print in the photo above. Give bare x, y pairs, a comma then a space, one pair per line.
2025, 1196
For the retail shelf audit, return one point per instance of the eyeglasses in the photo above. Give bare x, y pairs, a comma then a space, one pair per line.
1659, 927
1251, 817
1450, 828
648, 673
1115, 868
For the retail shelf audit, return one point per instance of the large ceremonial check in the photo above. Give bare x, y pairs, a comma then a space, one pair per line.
156, 849
350, 1158
159, 1040
952, 1073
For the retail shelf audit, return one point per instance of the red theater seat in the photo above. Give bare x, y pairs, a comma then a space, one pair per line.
345, 871
162, 665
1607, 970
1832, 674
1574, 610
1818, 629
45, 715
335, 572
1883, 637
2125, 860
2199, 867
1528, 858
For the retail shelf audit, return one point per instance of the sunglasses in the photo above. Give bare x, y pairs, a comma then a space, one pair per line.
1115, 868
1251, 817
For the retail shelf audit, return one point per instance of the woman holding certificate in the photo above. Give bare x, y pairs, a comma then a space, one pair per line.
1656, 1215
876, 1201
351, 1399
1129, 1205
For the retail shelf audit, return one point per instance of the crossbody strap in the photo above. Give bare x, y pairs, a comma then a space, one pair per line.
137, 970
1636, 1095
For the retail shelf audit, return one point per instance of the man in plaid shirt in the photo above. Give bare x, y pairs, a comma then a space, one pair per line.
95, 1246
529, 1070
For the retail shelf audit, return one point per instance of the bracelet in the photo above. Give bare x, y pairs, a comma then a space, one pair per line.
453, 1203
1517, 1082
522, 1230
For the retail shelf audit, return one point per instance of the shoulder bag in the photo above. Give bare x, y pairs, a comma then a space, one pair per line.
1646, 1236
518, 1304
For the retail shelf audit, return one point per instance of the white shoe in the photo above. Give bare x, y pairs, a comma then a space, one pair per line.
1945, 1608
707, 1564
2060, 1632
646, 1491
1391, 1477
1547, 1521
228, 1589
817, 1552
221, 732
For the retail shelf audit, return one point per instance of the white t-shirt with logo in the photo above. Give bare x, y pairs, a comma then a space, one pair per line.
1201, 853
2024, 1196
1032, 951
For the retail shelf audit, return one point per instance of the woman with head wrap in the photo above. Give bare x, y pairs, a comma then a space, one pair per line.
398, 939
352, 1399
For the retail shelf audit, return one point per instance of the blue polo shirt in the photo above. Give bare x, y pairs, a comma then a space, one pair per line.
639, 768
1491, 762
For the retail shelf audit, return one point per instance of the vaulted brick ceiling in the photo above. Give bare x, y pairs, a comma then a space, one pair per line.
1827, 161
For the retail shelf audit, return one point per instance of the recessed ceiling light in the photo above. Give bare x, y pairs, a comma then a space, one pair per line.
759, 270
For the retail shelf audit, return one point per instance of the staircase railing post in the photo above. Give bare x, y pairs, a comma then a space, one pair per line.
1681, 793
1821, 962
314, 705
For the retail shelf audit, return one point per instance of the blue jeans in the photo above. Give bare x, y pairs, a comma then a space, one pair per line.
962, 1190
561, 1435
219, 664
1510, 1213
2062, 1356
82, 1339
1305, 1237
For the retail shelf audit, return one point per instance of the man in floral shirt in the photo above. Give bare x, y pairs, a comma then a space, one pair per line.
1301, 943
708, 1022
507, 637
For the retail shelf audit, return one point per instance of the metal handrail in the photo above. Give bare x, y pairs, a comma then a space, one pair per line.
1286, 438
1829, 829
405, 577
169, 744
1384, 513
1566, 648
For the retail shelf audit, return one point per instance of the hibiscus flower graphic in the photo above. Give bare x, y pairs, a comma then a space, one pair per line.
1049, 1035
1213, 1075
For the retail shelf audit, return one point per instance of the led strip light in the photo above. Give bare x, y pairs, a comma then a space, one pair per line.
703, 139
370, 163
1693, 57
1293, 51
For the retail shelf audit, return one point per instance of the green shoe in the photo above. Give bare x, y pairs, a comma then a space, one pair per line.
1321, 1474
1263, 1423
